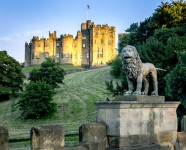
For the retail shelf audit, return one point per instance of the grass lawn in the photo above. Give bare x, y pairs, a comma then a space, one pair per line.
75, 100
65, 67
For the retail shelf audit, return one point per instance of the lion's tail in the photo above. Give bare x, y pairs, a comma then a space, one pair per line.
161, 69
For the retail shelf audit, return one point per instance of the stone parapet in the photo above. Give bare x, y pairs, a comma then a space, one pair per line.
138, 122
48, 137
4, 137
93, 136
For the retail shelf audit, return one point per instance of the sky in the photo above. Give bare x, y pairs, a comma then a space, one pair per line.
20, 20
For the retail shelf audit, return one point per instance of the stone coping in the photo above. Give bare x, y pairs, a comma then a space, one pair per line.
134, 104
141, 98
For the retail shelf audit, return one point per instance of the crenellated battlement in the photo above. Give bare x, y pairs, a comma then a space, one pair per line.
67, 36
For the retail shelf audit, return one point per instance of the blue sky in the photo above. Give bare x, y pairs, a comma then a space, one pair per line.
20, 20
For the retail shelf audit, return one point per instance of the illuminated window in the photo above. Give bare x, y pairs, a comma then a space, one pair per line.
67, 56
84, 37
83, 45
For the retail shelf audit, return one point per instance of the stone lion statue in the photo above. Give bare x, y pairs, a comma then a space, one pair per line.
136, 71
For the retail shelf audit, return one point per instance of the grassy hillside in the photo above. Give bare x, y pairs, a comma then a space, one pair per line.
65, 67
75, 102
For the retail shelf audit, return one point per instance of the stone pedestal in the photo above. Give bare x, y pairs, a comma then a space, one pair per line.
138, 120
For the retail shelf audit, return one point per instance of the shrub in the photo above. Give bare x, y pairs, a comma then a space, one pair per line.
36, 101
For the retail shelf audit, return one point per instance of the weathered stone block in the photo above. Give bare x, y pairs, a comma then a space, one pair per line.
76, 148
144, 147
48, 137
93, 136
4, 137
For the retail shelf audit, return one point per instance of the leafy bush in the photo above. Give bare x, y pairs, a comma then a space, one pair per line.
36, 101
117, 72
116, 67
117, 89
49, 73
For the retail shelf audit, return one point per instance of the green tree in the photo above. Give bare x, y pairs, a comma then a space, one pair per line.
36, 101
49, 73
176, 80
11, 77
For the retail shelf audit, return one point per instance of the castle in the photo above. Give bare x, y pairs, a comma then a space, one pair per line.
94, 45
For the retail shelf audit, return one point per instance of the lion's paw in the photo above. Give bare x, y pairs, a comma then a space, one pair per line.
143, 93
128, 93
137, 93
154, 93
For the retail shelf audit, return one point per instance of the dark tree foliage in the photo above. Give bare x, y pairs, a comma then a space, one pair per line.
161, 39
36, 101
117, 89
176, 79
49, 73
11, 77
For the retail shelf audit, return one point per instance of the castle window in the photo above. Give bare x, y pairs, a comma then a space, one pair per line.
67, 56
57, 44
87, 55
109, 42
84, 37
102, 41
57, 55
39, 44
84, 45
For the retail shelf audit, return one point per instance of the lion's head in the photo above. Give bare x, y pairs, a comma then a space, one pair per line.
131, 61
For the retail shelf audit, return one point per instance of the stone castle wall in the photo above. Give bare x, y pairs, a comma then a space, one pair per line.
94, 44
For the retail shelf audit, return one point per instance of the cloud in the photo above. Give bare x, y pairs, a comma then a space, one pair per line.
6, 38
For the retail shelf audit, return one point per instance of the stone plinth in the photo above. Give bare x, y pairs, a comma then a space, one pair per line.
4, 138
93, 136
138, 121
49, 137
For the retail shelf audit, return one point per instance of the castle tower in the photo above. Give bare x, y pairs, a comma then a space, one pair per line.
28, 54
